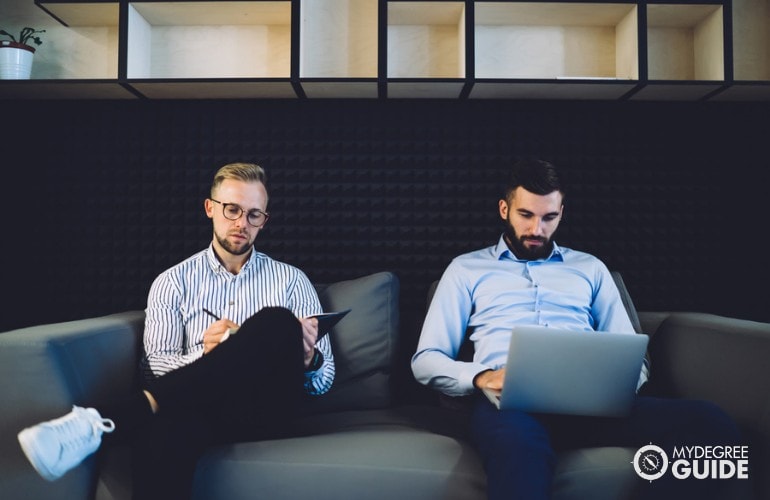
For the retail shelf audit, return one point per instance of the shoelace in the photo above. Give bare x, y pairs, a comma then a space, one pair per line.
72, 427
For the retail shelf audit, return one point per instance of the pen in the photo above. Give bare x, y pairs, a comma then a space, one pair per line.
211, 314
228, 332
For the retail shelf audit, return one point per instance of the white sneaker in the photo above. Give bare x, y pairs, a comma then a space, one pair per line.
56, 446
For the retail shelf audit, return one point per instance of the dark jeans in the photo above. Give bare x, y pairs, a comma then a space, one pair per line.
518, 449
246, 389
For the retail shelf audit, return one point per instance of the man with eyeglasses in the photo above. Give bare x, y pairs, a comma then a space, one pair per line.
199, 390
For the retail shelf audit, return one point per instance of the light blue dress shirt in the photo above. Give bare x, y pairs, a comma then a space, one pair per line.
489, 291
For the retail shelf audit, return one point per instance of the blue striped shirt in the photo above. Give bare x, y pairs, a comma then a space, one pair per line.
175, 317
490, 290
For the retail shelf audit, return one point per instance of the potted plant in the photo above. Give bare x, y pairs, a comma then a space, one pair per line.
16, 54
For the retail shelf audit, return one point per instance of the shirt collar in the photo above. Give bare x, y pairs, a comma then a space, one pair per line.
502, 251
217, 266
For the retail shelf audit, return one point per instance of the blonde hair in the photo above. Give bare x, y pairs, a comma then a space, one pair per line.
246, 172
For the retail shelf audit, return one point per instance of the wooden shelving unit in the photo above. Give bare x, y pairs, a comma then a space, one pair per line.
485, 49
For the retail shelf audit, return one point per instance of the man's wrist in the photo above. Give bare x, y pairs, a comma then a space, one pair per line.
316, 362
478, 375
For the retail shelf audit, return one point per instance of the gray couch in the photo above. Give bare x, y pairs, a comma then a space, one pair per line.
356, 442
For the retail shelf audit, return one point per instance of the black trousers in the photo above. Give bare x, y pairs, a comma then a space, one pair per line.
246, 389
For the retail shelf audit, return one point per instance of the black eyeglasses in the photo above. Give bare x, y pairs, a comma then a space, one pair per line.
233, 211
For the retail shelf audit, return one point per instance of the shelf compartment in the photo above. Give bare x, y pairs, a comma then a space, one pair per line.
536, 40
87, 48
685, 42
338, 43
751, 40
92, 13
426, 39
226, 39
338, 39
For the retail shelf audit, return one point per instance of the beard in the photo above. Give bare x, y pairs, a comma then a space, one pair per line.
519, 248
235, 250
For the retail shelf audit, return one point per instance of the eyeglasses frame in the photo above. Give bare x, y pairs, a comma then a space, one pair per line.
224, 214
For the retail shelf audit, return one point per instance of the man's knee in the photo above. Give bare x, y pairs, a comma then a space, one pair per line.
714, 423
697, 422
514, 432
275, 323
274, 315
273, 337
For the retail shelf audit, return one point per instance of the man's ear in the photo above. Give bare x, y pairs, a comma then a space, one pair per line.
503, 207
208, 206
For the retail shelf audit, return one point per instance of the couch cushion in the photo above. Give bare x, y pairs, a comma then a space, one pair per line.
379, 463
414, 452
363, 342
596, 473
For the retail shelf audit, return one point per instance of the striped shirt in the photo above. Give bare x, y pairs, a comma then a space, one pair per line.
175, 317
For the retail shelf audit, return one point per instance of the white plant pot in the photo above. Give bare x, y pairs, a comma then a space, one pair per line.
15, 60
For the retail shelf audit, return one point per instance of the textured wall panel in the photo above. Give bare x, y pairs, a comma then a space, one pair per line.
112, 192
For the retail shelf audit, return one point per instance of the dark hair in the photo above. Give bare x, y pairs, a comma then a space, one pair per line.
536, 176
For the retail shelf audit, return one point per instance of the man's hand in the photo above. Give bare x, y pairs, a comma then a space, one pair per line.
214, 334
309, 337
490, 379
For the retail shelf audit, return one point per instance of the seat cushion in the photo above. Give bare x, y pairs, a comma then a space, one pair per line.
382, 463
595, 473
408, 452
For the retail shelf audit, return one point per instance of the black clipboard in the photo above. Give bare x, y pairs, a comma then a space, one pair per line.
326, 321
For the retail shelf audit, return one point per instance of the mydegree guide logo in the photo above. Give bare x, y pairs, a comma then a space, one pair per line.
651, 462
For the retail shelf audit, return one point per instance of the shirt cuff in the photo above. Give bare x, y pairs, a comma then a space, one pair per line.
316, 363
468, 373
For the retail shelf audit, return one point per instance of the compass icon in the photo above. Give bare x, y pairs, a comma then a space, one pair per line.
650, 462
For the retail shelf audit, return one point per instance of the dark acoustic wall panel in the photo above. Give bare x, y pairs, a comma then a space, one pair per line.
105, 195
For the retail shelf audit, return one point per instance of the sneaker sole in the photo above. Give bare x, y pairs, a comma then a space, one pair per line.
27, 440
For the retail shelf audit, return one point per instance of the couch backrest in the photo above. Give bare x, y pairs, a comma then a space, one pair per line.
363, 342
625, 297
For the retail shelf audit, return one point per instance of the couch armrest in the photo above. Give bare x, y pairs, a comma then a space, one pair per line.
44, 371
699, 355
723, 360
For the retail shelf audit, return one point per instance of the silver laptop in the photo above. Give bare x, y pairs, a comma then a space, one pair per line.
571, 372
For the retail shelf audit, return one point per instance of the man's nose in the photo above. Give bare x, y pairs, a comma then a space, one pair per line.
537, 227
243, 220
